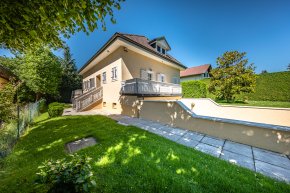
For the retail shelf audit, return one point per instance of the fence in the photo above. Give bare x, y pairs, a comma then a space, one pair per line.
10, 133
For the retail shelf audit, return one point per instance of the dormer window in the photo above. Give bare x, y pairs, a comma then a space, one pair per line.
163, 51
158, 49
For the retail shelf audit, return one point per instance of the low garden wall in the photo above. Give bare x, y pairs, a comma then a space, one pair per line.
175, 113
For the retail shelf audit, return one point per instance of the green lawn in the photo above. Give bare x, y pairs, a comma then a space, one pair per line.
259, 103
127, 159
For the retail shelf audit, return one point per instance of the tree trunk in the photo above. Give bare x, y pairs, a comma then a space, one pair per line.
38, 96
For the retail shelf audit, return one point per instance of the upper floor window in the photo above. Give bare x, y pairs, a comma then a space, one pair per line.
163, 51
114, 73
104, 78
175, 80
161, 77
92, 83
158, 48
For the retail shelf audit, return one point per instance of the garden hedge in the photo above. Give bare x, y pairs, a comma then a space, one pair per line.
194, 89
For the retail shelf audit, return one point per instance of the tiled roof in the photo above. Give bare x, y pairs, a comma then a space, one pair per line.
138, 40
146, 42
195, 70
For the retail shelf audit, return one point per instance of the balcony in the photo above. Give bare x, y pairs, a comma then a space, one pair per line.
142, 87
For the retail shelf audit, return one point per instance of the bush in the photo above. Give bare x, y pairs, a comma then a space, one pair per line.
194, 89
55, 104
63, 175
55, 111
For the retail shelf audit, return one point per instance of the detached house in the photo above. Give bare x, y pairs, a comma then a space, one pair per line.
127, 69
195, 73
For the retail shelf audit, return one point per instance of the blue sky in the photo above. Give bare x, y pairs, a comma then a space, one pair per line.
199, 31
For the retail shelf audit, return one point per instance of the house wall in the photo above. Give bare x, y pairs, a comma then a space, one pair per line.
176, 115
129, 65
195, 77
111, 88
2, 82
134, 62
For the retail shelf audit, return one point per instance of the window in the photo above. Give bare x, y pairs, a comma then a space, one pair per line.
161, 77
206, 74
149, 76
104, 104
92, 83
158, 49
163, 51
114, 105
175, 80
104, 78
114, 73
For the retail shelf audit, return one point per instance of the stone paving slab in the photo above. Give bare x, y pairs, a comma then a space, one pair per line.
212, 150
171, 136
193, 136
238, 148
272, 171
80, 144
238, 159
271, 158
213, 141
178, 131
188, 142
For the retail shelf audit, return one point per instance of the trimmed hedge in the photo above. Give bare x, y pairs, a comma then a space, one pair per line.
269, 87
272, 87
194, 89
55, 109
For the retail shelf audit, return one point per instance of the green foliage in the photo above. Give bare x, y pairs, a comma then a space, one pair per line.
41, 71
55, 109
26, 23
7, 105
271, 87
8, 136
65, 175
70, 79
42, 106
194, 89
232, 77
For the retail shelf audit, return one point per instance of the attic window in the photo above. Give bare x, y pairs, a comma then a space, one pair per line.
158, 49
163, 51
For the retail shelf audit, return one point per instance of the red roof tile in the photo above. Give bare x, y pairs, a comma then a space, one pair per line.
195, 70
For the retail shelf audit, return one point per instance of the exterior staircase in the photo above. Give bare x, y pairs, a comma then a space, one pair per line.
87, 99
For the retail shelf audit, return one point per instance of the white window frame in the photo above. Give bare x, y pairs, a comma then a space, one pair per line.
114, 74
104, 77
151, 75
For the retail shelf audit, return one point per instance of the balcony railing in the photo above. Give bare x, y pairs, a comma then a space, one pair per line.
142, 87
85, 100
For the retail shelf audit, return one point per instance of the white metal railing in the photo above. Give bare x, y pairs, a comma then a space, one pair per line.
83, 101
138, 86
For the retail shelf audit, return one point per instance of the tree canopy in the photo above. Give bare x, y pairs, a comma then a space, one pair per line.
232, 76
26, 23
41, 71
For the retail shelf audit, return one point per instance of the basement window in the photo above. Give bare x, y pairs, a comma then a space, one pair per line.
104, 104
114, 105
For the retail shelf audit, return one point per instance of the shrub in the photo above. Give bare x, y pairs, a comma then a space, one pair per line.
194, 89
64, 175
55, 109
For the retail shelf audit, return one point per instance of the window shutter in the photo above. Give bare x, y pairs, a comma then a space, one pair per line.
143, 74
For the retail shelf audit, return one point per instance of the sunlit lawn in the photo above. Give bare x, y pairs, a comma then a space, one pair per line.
259, 103
127, 159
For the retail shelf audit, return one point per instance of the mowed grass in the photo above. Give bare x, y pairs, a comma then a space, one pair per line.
279, 104
126, 159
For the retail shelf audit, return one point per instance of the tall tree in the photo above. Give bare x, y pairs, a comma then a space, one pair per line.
26, 23
41, 71
70, 79
232, 76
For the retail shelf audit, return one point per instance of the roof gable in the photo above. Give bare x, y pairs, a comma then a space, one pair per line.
195, 70
139, 41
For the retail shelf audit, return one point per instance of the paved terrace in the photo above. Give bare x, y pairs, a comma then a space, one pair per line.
269, 163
